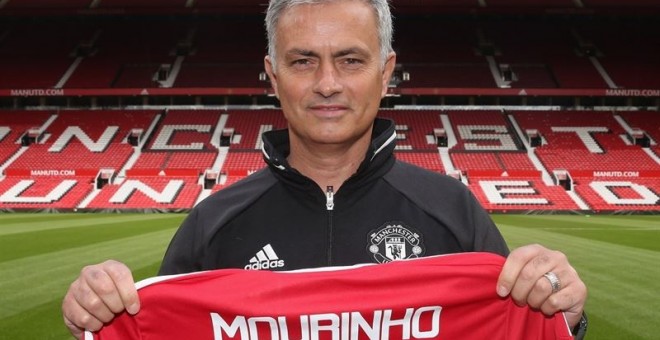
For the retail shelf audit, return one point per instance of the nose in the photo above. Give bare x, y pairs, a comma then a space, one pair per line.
327, 80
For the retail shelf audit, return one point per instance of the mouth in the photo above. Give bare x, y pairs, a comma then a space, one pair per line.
328, 110
328, 107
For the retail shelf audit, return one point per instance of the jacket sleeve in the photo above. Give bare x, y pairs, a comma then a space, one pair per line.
183, 253
187, 250
487, 236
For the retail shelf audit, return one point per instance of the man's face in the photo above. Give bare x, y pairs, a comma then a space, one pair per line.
329, 76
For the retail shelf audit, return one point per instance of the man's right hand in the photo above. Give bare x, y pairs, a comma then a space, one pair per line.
100, 292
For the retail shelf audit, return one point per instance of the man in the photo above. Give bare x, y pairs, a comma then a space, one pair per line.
333, 193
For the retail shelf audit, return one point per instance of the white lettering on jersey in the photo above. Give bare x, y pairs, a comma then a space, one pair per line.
420, 323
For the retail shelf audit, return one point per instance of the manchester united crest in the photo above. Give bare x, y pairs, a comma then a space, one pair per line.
395, 241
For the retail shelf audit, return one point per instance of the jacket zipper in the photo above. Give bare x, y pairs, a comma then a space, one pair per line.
330, 205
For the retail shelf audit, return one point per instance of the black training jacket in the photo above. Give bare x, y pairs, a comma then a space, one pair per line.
278, 219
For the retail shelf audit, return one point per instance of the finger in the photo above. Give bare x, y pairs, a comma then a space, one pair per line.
104, 287
87, 297
68, 313
553, 303
542, 290
77, 319
513, 266
531, 276
125, 285
570, 299
539, 294
565, 300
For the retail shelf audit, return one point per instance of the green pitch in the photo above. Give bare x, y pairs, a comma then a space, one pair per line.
40, 254
618, 257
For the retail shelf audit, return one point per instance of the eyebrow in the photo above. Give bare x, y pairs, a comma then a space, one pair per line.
341, 53
301, 52
349, 51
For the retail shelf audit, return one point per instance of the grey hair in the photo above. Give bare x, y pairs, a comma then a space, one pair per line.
380, 7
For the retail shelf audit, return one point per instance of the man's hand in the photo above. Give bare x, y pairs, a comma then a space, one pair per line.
100, 292
523, 277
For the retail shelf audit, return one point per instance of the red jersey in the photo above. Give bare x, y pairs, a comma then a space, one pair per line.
441, 297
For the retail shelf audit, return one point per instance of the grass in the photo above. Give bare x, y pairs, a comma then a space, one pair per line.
40, 254
616, 256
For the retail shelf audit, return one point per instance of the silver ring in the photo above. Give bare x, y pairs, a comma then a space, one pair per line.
554, 281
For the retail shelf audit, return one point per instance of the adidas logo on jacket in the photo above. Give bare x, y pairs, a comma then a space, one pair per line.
265, 259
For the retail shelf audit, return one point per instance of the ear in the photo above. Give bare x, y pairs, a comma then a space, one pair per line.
268, 65
387, 72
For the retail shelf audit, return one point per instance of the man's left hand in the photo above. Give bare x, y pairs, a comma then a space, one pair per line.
524, 277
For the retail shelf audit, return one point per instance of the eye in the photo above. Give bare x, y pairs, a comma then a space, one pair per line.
352, 64
302, 64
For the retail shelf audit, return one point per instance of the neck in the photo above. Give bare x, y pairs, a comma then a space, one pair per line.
328, 165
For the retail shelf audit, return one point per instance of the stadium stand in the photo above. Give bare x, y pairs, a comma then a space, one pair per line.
153, 192
477, 161
636, 194
117, 55
444, 57
485, 141
415, 128
59, 171
238, 165
242, 163
190, 160
516, 161
183, 53
482, 131
140, 105
183, 140
44, 193
543, 55
627, 52
186, 130
84, 140
124, 3
648, 122
22, 51
584, 141
427, 160
220, 58
519, 193
32, 4
246, 127
15, 129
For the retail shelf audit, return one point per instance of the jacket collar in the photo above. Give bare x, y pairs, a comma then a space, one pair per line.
378, 159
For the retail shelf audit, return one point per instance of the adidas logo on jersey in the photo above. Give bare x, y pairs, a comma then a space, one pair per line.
265, 259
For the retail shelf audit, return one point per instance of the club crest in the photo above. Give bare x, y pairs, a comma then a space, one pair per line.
395, 241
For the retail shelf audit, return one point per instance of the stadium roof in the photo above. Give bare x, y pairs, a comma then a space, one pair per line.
9, 7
